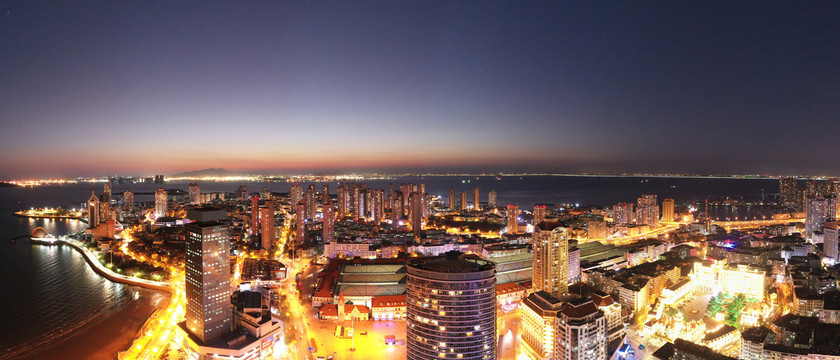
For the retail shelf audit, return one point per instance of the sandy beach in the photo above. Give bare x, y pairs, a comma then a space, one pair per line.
104, 339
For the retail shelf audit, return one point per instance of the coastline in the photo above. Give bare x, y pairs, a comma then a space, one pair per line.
105, 338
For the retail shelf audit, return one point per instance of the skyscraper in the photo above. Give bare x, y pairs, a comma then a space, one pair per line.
341, 196
309, 199
378, 207
451, 308
160, 203
492, 199
476, 204
357, 201
416, 212
452, 198
325, 193
106, 193
816, 210
207, 276
268, 230
539, 214
580, 331
194, 192
647, 210
328, 222
551, 259
300, 222
830, 234
668, 210
93, 210
255, 216
295, 194
512, 219
463, 200
789, 192
623, 214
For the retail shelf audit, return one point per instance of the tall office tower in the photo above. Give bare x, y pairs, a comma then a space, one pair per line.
268, 229
551, 259
623, 213
311, 205
452, 198
596, 228
255, 216
476, 204
378, 207
451, 308
93, 210
830, 233
160, 203
580, 331
295, 194
342, 201
328, 223
647, 210
159, 179
207, 275
128, 198
816, 209
538, 312
788, 191
416, 212
512, 219
106, 193
539, 214
194, 192
325, 193
422, 188
300, 222
242, 192
463, 200
668, 210
492, 199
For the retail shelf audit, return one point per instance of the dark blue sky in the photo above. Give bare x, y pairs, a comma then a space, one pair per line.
92, 88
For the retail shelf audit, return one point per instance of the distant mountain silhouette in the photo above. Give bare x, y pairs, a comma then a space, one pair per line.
207, 172
5, 184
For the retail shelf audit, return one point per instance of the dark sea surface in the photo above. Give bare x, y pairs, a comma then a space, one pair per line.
48, 291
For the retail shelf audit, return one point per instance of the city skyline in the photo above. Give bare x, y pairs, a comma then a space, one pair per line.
474, 87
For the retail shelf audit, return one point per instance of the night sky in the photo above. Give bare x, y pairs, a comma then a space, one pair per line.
90, 89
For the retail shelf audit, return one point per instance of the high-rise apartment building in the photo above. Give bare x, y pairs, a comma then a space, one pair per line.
325, 193
463, 199
830, 248
295, 194
416, 212
476, 196
207, 276
268, 231
623, 214
106, 193
160, 203
452, 198
789, 192
311, 205
378, 208
647, 210
539, 214
492, 199
596, 228
328, 223
816, 209
668, 210
512, 219
580, 331
128, 198
255, 216
451, 308
194, 192
300, 222
551, 259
